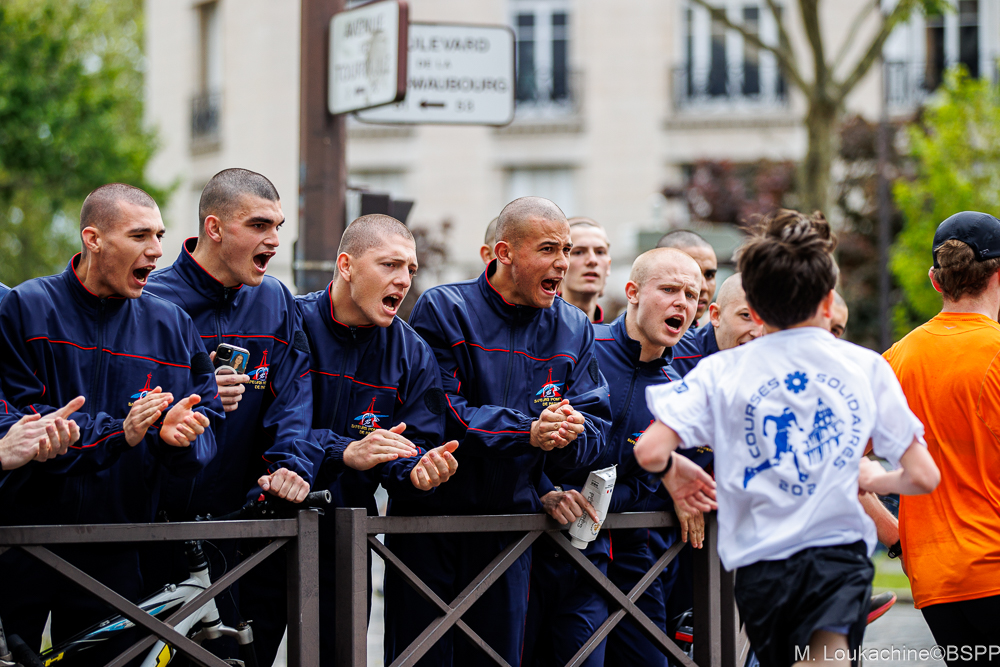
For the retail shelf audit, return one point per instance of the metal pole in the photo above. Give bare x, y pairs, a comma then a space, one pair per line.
352, 587
884, 219
322, 171
303, 593
707, 599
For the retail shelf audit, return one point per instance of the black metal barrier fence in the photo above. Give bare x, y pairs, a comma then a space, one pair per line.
301, 534
718, 638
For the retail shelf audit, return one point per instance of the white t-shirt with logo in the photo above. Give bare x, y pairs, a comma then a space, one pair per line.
789, 415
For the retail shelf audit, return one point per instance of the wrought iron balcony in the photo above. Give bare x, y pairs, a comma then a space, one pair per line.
206, 116
548, 93
728, 88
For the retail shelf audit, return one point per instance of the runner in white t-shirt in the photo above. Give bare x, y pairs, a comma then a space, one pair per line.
789, 416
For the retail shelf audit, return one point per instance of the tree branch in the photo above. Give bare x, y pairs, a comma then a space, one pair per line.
863, 14
810, 20
783, 40
899, 14
783, 54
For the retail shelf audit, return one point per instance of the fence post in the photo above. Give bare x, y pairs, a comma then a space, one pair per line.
707, 598
730, 620
303, 592
352, 587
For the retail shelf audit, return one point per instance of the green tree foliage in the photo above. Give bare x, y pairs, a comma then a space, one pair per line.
956, 154
70, 121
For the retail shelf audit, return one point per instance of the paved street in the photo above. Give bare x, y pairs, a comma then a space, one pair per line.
899, 636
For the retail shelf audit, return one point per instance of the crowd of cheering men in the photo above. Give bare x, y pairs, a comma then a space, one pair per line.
113, 412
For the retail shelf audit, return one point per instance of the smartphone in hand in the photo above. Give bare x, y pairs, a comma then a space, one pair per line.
231, 360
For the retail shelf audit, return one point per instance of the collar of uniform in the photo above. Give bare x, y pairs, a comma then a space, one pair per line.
80, 291
633, 348
338, 328
197, 276
706, 336
598, 315
504, 308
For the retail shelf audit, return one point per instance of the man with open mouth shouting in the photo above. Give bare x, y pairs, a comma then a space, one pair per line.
219, 280
522, 385
151, 401
378, 410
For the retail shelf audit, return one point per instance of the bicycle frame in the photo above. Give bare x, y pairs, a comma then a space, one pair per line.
205, 621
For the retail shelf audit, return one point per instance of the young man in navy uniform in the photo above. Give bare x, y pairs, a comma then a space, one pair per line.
151, 399
634, 352
522, 384
219, 280
378, 408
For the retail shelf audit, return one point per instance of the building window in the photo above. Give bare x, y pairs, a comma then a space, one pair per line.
555, 184
544, 77
206, 105
918, 54
719, 67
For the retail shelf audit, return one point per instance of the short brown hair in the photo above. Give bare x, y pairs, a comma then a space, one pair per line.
102, 205
958, 273
368, 231
225, 191
787, 266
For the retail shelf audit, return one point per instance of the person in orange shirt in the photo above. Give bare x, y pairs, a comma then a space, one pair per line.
949, 369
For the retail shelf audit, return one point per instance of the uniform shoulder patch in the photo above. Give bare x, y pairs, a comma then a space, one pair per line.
300, 342
595, 370
435, 400
201, 364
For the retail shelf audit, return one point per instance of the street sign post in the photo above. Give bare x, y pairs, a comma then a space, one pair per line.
368, 56
457, 75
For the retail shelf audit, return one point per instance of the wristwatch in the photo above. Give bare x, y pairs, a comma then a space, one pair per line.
896, 550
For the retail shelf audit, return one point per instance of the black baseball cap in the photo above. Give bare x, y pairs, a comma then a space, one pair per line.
980, 231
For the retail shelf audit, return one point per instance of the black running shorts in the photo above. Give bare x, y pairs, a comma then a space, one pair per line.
783, 602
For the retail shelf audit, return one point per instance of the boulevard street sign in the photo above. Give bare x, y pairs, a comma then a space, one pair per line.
457, 75
367, 56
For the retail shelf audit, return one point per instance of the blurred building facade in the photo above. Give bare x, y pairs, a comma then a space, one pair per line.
616, 101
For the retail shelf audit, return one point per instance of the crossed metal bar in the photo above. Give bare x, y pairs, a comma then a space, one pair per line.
301, 534
720, 642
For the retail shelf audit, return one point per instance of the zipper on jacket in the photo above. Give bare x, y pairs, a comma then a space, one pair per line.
620, 420
218, 315
343, 379
99, 371
510, 356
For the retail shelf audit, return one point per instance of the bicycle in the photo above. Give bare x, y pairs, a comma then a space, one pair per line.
201, 625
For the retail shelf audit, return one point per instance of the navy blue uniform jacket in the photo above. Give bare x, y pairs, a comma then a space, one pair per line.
693, 346
367, 378
501, 365
270, 427
60, 340
8, 416
627, 378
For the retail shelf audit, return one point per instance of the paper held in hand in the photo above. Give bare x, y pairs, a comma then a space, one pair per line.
600, 485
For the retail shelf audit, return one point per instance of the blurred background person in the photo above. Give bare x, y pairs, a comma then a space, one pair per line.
589, 267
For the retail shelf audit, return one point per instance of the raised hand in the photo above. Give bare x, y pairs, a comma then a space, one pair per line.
568, 506
60, 431
144, 414
286, 484
183, 425
692, 489
377, 447
435, 467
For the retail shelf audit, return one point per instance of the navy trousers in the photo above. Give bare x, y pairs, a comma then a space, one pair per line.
564, 609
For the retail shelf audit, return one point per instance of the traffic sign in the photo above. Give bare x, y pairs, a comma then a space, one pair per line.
367, 56
457, 75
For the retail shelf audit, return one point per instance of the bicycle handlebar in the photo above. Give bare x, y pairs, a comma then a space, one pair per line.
272, 507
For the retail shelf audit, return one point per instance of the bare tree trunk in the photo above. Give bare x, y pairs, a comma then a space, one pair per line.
821, 123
